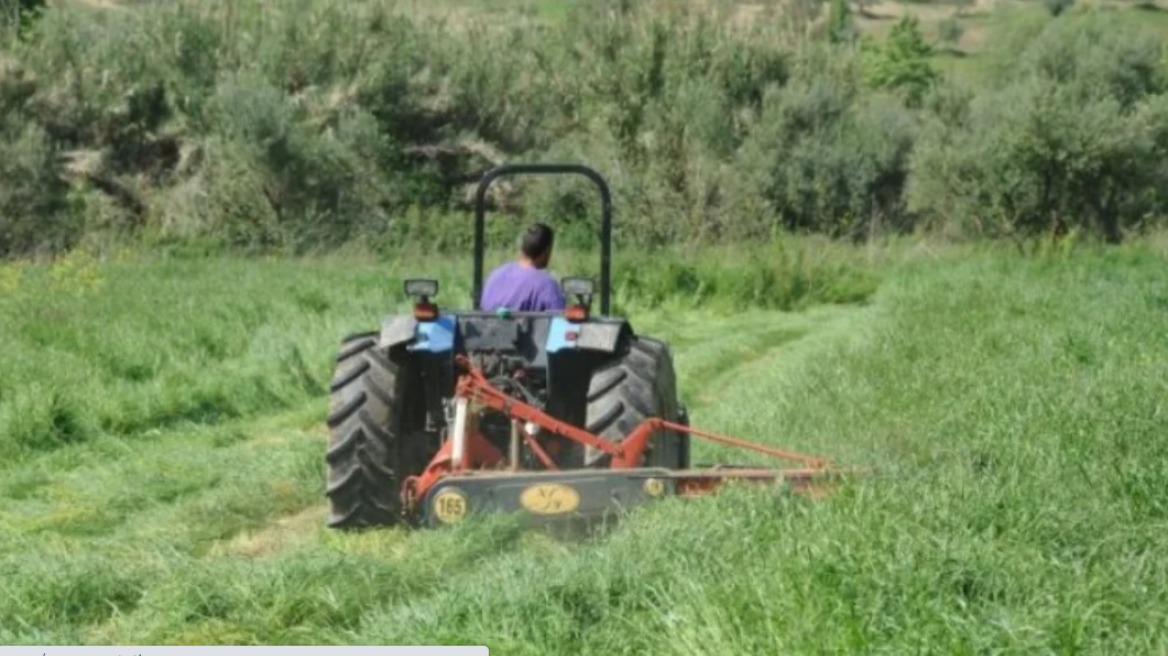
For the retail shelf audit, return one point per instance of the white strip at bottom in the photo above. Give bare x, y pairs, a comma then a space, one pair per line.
324, 650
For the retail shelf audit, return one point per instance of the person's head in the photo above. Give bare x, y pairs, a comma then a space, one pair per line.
536, 245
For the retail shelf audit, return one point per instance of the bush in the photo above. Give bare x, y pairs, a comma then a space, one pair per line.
1073, 139
1095, 56
33, 201
902, 62
830, 164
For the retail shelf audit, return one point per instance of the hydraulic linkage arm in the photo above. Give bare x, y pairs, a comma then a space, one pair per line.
474, 388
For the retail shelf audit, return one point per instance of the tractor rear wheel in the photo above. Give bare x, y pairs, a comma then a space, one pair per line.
373, 443
637, 385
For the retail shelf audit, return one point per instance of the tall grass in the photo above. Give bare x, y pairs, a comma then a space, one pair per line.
131, 345
1013, 408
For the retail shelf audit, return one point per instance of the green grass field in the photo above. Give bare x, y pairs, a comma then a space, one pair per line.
162, 441
162, 410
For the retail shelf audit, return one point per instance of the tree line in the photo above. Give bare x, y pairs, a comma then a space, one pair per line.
313, 124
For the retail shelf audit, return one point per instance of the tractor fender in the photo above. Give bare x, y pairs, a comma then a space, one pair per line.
426, 336
397, 330
600, 336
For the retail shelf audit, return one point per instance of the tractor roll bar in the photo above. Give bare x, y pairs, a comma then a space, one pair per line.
549, 169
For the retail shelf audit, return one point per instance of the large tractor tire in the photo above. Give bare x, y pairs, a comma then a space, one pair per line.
639, 384
374, 443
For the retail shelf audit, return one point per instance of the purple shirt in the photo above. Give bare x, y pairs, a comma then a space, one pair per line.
521, 289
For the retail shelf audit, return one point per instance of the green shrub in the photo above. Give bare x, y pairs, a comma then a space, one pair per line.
901, 62
1096, 55
33, 199
1074, 139
825, 162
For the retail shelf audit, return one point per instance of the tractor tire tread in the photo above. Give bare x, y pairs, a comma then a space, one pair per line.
346, 410
366, 445
351, 348
344, 378
626, 391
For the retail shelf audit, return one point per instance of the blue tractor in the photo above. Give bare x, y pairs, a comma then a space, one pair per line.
391, 409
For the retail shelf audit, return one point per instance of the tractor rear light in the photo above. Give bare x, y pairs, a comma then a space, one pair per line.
577, 313
425, 311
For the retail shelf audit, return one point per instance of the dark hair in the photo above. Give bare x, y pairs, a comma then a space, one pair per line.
537, 240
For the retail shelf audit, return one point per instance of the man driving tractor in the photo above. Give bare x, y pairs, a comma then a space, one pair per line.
524, 285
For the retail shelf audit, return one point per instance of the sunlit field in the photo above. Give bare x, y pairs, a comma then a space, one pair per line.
163, 477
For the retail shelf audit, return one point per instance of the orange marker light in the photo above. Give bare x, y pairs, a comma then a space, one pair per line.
577, 313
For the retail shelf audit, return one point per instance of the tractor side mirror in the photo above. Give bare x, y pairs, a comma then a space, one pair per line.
422, 290
582, 289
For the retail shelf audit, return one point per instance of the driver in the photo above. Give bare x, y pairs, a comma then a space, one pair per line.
523, 285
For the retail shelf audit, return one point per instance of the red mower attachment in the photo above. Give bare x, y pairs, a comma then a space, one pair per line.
469, 474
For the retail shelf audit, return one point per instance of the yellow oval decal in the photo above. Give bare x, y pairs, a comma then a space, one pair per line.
450, 506
550, 499
655, 487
